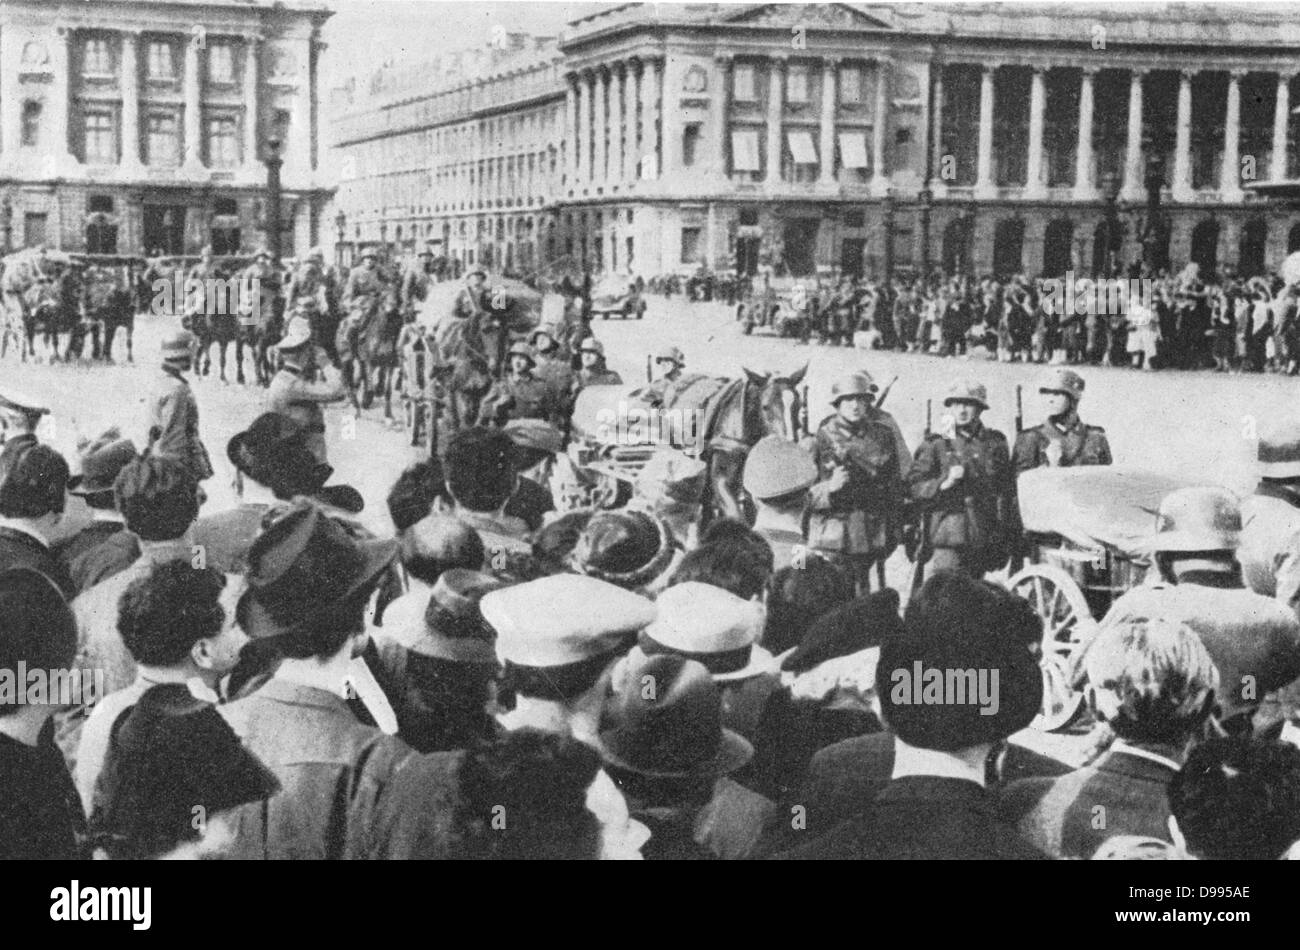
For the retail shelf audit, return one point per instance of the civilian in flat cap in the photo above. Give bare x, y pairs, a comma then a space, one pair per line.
173, 412
1155, 685
668, 751
20, 416
1270, 519
778, 474
1254, 640
275, 464
40, 815
35, 513
101, 461
557, 638
309, 584
159, 499
178, 624
938, 804
170, 754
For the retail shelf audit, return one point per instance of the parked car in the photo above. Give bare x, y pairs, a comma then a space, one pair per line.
616, 295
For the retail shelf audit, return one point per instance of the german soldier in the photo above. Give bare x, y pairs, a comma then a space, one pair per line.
593, 371
855, 501
965, 480
1063, 439
305, 382
520, 394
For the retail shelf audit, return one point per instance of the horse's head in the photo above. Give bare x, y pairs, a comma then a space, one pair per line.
779, 403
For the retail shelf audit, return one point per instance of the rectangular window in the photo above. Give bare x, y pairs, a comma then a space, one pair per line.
221, 63
690, 245
802, 149
101, 139
31, 124
223, 142
744, 150
98, 58
742, 86
796, 84
853, 149
851, 85
160, 65
690, 143
164, 147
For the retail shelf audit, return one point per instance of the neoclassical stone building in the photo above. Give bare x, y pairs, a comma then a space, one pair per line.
850, 137
139, 125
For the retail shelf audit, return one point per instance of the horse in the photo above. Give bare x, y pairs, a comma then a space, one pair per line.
109, 307
50, 308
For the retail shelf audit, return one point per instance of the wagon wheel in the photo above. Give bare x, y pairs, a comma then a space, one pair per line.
1067, 621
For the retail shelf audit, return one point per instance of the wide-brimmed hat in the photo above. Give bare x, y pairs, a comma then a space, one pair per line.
668, 723
100, 464
1279, 450
302, 567
712, 626
563, 619
273, 452
172, 753
457, 594
628, 548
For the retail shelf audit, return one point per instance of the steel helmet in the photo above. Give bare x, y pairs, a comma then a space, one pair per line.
178, 346
967, 390
592, 345
1198, 519
671, 353
1062, 380
854, 384
520, 348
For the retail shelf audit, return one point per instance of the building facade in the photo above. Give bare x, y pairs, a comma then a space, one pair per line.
140, 126
848, 138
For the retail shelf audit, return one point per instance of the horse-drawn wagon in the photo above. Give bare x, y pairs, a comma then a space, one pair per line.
781, 307
1088, 531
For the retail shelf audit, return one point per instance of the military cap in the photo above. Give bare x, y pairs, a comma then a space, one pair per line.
1062, 380
776, 467
1279, 450
967, 390
853, 384
15, 400
671, 353
535, 434
1198, 519
563, 619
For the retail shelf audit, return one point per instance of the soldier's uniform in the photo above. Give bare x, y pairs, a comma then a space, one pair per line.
470, 302
297, 392
778, 469
553, 366
520, 397
1270, 537
1077, 442
174, 412
663, 391
973, 525
363, 296
856, 524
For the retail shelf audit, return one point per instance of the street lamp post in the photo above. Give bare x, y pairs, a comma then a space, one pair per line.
926, 196
273, 163
1110, 193
1154, 181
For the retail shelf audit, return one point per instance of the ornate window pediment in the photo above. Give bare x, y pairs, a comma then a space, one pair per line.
837, 16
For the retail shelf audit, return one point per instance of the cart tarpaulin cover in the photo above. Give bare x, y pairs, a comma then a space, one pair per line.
1096, 506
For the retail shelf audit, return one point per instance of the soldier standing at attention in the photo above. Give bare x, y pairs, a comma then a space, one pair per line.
1063, 439
174, 412
305, 382
521, 395
965, 480
859, 491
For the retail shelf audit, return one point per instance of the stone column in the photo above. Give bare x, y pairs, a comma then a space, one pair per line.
299, 146
570, 171
1277, 169
826, 168
984, 186
1230, 173
1134, 187
775, 109
11, 115
1035, 186
716, 147
252, 110
193, 109
1084, 189
628, 173
1181, 186
60, 105
651, 93
601, 125
879, 129
938, 186
131, 102
616, 79
584, 138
